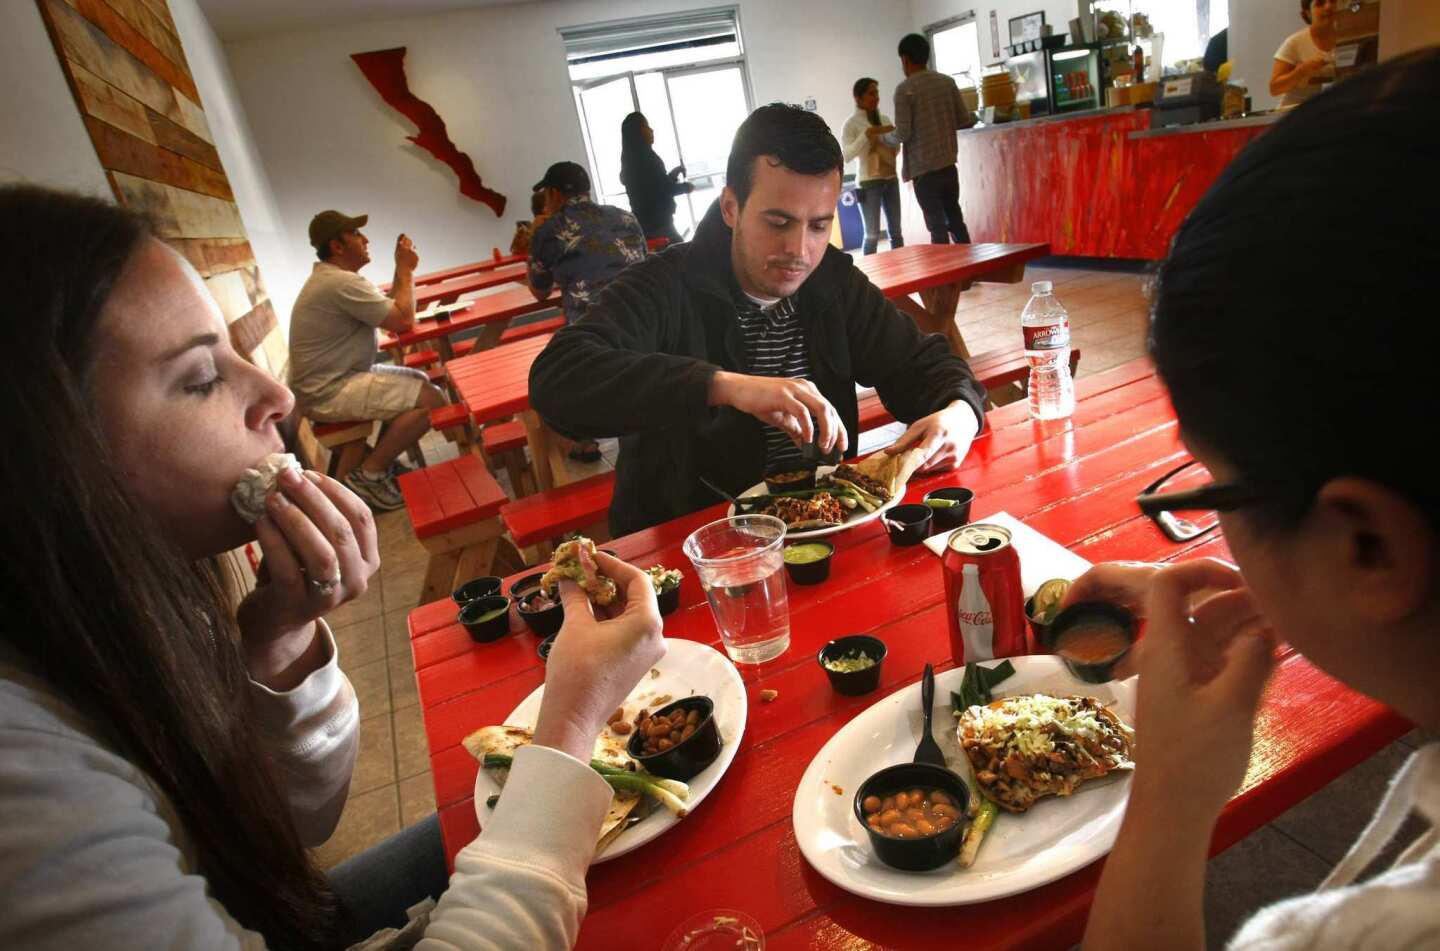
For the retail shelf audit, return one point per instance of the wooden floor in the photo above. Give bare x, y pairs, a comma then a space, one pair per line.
1108, 313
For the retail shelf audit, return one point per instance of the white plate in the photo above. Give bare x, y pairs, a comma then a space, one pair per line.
1020, 852
851, 521
688, 668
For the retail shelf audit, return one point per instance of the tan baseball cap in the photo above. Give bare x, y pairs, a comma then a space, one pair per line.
329, 224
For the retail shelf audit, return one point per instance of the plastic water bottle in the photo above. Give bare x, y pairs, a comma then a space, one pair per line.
1046, 326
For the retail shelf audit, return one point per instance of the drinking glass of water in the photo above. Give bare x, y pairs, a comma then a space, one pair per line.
741, 568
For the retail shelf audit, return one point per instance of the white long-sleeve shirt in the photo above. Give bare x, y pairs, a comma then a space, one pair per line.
92, 854
858, 148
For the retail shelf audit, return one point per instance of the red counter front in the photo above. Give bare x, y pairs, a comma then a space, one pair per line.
1087, 187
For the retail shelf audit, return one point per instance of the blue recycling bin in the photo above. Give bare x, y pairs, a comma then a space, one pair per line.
852, 225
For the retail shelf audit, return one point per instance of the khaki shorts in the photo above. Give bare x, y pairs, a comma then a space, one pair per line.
382, 393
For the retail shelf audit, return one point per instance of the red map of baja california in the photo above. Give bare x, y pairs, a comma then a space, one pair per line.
386, 71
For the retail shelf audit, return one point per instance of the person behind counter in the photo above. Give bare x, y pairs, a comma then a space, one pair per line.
1307, 57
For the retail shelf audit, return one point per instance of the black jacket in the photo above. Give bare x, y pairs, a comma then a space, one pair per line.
651, 191
639, 364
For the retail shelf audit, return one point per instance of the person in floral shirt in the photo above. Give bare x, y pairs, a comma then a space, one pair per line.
579, 245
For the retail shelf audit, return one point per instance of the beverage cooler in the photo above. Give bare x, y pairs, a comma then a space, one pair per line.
1062, 79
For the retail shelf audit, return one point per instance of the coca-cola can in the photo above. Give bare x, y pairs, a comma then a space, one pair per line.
983, 596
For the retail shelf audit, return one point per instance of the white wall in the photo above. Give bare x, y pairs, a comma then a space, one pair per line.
45, 142
1057, 15
497, 76
1256, 31
281, 272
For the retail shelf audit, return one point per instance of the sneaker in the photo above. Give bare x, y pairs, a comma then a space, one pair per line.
398, 468
379, 492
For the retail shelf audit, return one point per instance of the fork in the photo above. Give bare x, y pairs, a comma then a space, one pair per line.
928, 751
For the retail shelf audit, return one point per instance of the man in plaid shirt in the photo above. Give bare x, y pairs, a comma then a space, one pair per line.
928, 113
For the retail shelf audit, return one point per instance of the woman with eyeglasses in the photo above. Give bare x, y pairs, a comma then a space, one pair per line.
1305, 390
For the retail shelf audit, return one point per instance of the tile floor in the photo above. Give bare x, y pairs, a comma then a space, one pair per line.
1108, 311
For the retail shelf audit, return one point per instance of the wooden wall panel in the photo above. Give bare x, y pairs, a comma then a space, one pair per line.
141, 106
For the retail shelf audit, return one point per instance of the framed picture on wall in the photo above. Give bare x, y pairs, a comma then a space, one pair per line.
1027, 27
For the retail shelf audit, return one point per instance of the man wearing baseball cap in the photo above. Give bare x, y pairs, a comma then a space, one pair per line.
580, 246
333, 351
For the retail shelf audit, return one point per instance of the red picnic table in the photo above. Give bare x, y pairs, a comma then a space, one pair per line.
493, 312
939, 273
1073, 480
447, 292
489, 264
495, 384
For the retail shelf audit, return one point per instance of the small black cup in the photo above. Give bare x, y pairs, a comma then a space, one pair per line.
491, 628
690, 755
544, 623
957, 514
476, 588
908, 524
544, 648
810, 572
1097, 671
922, 854
855, 682
669, 600
790, 479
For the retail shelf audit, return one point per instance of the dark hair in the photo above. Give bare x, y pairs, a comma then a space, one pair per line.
104, 605
1305, 9
537, 202
1288, 305
323, 252
630, 135
796, 139
915, 48
862, 85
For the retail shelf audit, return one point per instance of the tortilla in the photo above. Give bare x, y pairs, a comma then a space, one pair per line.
893, 472
575, 560
255, 485
608, 749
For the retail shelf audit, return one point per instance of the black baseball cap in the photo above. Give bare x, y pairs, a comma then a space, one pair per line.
566, 178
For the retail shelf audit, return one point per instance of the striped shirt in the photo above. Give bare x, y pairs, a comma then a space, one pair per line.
774, 346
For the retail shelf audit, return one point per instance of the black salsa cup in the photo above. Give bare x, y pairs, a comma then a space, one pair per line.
691, 755
669, 600
800, 477
1091, 612
476, 588
544, 623
810, 572
957, 514
492, 628
908, 524
920, 854
855, 682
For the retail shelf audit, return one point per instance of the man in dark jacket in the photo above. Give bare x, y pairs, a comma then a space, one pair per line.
719, 358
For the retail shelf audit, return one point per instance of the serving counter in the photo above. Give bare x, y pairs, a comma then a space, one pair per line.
1100, 183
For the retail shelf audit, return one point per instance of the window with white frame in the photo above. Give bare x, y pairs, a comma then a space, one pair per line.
955, 49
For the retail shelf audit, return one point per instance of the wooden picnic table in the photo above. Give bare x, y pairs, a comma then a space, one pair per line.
1073, 480
488, 264
495, 385
940, 273
493, 312
447, 292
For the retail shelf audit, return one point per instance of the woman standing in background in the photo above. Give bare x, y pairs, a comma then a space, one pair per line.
874, 164
652, 190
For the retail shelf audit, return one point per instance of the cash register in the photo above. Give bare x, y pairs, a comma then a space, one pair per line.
1183, 100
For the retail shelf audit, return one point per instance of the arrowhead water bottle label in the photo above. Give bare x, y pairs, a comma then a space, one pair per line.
1052, 337
977, 622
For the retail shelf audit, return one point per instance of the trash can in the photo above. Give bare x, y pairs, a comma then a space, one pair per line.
847, 216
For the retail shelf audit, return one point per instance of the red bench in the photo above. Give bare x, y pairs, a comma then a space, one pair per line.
536, 520
420, 359
504, 445
454, 508
532, 329
347, 443
453, 420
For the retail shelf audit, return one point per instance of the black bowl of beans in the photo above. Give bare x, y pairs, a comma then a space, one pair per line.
678, 740
914, 815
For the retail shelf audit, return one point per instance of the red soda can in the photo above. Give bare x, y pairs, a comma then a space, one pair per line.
983, 596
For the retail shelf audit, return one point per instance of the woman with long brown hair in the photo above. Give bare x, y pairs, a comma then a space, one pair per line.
167, 755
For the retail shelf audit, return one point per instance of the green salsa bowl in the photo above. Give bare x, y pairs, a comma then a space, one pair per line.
808, 562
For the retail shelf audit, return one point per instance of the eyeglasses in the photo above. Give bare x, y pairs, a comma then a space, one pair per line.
1210, 497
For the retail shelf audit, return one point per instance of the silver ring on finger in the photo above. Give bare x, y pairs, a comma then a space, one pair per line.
324, 586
